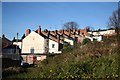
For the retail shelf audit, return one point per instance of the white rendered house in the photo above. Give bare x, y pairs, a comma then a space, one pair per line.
54, 47
36, 45
33, 43
103, 32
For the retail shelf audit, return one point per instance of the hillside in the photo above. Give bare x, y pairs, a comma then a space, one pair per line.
88, 60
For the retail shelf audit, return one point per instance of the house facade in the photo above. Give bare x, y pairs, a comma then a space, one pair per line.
54, 47
98, 34
9, 50
107, 32
12, 49
33, 44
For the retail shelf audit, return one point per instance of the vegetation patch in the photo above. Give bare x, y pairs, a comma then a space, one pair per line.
93, 60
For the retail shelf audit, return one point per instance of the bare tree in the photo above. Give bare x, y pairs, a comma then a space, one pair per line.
90, 28
70, 25
114, 21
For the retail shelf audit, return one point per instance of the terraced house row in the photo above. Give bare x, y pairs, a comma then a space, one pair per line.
40, 42
36, 43
45, 42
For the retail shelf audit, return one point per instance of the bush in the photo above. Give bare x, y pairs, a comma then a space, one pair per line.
67, 48
85, 41
10, 63
12, 71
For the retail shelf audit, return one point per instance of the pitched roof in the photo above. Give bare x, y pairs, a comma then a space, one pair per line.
70, 34
47, 34
5, 42
52, 37
4, 39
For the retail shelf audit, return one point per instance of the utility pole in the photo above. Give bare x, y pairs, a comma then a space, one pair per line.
16, 43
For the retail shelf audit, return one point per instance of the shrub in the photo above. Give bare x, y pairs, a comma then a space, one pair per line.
85, 41
12, 71
67, 48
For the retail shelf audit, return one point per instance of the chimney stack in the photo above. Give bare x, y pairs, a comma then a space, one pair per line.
39, 30
85, 31
63, 31
78, 31
58, 38
69, 31
74, 30
48, 34
56, 32
28, 31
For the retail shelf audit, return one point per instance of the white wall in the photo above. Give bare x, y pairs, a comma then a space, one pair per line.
18, 44
89, 38
69, 41
103, 32
107, 32
98, 38
33, 40
55, 49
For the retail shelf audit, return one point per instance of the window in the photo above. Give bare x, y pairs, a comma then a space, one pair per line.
32, 50
53, 45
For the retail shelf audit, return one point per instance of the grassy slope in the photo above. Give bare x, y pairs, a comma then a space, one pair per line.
93, 60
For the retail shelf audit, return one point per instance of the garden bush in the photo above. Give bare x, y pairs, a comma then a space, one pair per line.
85, 41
